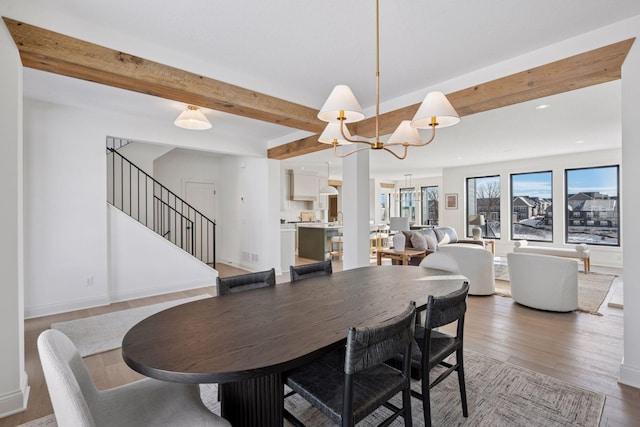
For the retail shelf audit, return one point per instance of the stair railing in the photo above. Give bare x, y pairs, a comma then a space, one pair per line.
134, 192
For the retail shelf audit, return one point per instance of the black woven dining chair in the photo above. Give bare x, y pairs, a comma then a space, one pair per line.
434, 346
348, 385
306, 271
245, 282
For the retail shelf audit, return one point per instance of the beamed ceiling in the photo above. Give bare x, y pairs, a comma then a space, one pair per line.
49, 51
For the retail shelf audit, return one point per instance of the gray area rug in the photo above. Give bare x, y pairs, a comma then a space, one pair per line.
498, 394
97, 334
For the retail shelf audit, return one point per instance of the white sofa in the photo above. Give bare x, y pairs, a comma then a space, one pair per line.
475, 263
580, 252
543, 282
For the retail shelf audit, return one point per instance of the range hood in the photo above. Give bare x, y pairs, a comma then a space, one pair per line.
303, 187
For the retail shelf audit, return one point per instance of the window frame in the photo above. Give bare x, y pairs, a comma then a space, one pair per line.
490, 215
424, 201
570, 215
512, 198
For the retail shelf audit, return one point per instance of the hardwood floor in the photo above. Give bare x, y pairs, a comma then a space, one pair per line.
579, 348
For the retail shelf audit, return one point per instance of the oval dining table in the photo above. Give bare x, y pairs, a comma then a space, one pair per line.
245, 341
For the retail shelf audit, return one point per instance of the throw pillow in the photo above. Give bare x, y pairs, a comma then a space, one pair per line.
431, 243
418, 241
399, 241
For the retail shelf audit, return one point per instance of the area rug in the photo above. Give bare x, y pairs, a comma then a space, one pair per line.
97, 334
592, 290
498, 394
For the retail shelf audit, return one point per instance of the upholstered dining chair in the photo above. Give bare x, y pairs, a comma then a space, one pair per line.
346, 386
435, 346
245, 282
305, 271
77, 402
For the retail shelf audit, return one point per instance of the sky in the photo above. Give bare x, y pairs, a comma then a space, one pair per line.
603, 179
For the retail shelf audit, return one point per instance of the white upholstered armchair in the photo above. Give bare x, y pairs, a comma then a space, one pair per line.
543, 282
475, 263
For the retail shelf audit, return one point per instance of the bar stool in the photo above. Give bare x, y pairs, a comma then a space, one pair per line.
336, 247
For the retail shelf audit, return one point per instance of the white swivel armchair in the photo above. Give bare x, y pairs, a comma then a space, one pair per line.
77, 402
476, 264
544, 282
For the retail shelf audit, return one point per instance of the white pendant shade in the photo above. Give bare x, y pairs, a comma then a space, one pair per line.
192, 118
328, 190
341, 99
436, 105
405, 133
331, 134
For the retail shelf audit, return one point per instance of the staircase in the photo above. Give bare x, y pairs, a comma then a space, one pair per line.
144, 199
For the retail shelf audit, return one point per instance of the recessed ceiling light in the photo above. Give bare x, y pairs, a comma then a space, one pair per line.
542, 106
579, 142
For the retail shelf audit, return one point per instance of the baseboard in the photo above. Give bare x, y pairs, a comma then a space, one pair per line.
629, 375
63, 307
149, 292
14, 402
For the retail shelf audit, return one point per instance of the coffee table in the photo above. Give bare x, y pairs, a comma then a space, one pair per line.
403, 256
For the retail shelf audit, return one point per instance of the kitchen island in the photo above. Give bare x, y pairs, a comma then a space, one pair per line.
314, 240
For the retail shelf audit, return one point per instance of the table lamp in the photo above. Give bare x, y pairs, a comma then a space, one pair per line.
477, 221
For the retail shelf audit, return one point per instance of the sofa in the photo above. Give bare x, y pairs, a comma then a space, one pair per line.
432, 238
580, 252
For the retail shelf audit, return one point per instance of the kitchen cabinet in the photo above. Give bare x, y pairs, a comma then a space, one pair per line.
304, 187
314, 241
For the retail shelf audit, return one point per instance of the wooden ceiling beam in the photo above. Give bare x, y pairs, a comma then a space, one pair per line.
586, 69
46, 50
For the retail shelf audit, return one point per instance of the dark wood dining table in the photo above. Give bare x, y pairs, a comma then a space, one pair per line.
245, 341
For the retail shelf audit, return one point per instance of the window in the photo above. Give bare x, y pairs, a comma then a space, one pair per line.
429, 205
384, 206
593, 193
483, 199
408, 203
531, 206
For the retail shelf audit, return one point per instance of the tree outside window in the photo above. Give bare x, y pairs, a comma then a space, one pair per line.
429, 205
593, 205
408, 203
531, 206
483, 198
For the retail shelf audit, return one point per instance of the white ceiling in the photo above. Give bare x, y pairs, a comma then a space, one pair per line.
298, 50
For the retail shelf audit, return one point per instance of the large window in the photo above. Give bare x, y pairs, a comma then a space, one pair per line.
483, 206
429, 205
408, 203
531, 207
593, 202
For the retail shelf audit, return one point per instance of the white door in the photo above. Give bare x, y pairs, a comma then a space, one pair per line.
202, 196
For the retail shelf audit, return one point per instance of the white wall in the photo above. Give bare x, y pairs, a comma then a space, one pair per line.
249, 226
142, 154
630, 369
65, 214
454, 180
142, 263
14, 390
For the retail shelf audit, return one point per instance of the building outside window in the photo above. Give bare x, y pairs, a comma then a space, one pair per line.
483, 198
408, 203
429, 205
531, 206
593, 193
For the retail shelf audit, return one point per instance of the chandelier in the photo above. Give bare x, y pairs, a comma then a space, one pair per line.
342, 107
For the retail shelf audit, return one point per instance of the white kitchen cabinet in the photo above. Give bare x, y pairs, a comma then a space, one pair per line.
304, 187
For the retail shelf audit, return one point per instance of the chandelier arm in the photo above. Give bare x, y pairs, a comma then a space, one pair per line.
335, 151
420, 144
361, 141
397, 156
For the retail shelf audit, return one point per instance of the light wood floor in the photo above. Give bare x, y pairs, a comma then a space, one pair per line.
579, 348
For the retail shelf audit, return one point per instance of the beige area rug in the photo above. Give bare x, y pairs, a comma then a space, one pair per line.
498, 394
97, 334
592, 290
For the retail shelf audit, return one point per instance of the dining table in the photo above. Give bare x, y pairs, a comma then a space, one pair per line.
246, 341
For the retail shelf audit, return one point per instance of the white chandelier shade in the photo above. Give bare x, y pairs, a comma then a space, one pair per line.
342, 100
192, 118
405, 133
332, 134
435, 108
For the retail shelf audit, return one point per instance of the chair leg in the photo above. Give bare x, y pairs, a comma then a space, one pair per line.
463, 389
426, 399
406, 406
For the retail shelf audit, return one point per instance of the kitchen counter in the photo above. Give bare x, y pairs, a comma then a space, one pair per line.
314, 240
